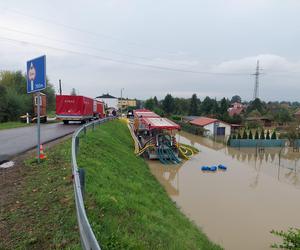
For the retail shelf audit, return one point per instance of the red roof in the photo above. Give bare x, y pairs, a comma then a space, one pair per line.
203, 121
159, 123
235, 111
144, 113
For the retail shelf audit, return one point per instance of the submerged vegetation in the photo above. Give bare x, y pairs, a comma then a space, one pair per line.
291, 239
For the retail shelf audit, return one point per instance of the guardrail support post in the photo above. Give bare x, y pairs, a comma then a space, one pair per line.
93, 126
84, 130
76, 145
81, 172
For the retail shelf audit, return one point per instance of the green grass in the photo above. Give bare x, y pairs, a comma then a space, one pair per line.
127, 207
42, 214
51, 114
8, 125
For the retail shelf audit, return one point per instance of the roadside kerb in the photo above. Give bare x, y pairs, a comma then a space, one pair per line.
87, 237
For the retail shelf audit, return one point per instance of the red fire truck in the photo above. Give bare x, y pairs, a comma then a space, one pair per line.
74, 108
99, 111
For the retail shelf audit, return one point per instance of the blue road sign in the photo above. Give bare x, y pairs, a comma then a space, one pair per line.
36, 74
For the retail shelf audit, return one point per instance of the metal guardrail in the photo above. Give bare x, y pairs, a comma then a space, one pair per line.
87, 237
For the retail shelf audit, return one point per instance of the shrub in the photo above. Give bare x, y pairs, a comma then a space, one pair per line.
262, 135
252, 125
239, 136
250, 135
245, 136
234, 137
256, 136
274, 136
176, 117
268, 135
191, 128
291, 239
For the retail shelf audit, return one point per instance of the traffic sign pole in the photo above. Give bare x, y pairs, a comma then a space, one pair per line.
38, 124
36, 81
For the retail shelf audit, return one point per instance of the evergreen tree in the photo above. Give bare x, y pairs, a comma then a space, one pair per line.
149, 104
168, 104
215, 107
155, 101
236, 98
206, 106
268, 135
250, 135
274, 137
245, 136
194, 105
257, 104
239, 135
262, 135
224, 105
256, 136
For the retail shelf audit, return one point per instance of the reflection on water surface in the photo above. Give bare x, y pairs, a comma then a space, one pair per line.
236, 208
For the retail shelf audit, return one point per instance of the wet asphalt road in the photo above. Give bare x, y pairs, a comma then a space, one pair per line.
19, 140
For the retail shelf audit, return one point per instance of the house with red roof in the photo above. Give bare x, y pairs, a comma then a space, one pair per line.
236, 108
212, 127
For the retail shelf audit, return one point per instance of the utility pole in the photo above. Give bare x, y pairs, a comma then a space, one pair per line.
121, 101
256, 84
60, 91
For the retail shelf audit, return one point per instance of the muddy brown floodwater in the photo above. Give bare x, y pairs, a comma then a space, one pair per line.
239, 207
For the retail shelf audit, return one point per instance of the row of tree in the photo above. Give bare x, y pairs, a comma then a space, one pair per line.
258, 135
14, 100
279, 112
192, 106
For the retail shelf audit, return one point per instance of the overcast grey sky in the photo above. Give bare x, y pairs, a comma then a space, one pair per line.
208, 47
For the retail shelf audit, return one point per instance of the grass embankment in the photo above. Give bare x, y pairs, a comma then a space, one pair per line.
40, 214
8, 125
127, 207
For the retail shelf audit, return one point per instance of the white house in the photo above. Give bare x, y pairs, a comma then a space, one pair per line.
212, 126
110, 101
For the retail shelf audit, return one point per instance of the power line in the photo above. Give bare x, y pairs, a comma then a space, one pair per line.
83, 30
118, 60
82, 45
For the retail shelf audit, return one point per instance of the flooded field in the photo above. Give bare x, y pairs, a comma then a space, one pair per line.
239, 207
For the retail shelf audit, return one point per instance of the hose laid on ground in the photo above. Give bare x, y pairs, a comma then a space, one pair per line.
137, 145
161, 156
172, 156
144, 149
186, 152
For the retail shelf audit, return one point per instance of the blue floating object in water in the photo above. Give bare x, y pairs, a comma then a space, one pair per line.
213, 168
205, 168
222, 167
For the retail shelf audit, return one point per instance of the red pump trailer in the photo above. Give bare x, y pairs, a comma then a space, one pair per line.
74, 108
